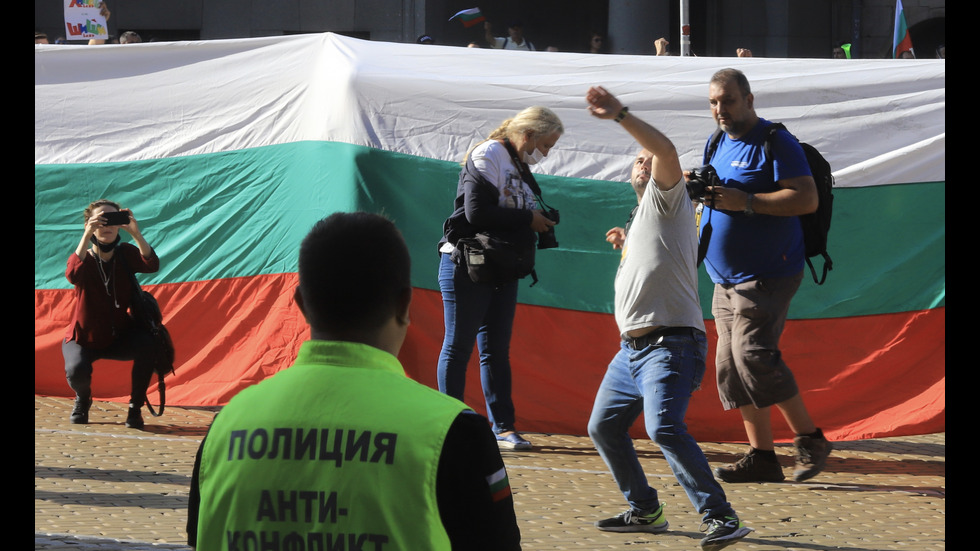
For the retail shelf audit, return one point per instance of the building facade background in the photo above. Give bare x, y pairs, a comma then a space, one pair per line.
770, 28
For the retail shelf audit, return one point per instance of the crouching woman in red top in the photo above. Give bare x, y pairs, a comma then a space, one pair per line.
101, 328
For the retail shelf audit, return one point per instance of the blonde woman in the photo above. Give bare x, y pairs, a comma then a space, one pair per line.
493, 197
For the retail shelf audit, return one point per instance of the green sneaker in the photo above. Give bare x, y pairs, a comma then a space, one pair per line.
636, 521
722, 532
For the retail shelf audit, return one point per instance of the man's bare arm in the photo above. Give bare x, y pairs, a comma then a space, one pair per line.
666, 167
488, 34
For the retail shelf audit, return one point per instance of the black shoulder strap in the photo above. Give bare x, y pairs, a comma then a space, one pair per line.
525, 172
705, 238
712, 146
767, 146
474, 173
629, 221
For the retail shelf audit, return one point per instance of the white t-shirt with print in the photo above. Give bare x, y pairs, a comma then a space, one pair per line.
494, 163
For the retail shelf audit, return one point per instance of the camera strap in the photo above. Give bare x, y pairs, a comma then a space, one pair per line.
525, 171
705, 237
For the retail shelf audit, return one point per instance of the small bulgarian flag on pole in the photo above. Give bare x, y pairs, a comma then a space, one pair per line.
470, 17
901, 41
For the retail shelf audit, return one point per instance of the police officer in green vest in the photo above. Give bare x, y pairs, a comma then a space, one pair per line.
342, 450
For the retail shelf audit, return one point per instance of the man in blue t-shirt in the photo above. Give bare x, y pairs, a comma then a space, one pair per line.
755, 257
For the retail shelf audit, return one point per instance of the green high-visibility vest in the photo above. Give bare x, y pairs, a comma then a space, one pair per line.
340, 451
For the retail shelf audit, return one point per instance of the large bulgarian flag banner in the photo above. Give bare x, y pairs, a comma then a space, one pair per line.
228, 152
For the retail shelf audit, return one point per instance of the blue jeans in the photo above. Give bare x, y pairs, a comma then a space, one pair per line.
485, 314
657, 381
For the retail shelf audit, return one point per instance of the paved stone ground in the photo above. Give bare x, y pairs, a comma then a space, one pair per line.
101, 487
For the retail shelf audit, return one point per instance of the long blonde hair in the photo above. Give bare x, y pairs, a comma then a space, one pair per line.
538, 120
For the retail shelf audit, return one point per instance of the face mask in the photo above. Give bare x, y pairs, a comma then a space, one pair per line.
106, 247
533, 158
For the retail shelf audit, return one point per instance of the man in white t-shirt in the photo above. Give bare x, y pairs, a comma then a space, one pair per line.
513, 41
660, 362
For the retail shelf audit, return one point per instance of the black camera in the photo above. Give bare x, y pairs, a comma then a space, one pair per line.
699, 180
547, 239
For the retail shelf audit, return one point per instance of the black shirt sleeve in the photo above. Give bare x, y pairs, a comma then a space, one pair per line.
472, 489
194, 499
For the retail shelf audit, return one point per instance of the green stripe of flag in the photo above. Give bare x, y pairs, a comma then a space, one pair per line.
243, 213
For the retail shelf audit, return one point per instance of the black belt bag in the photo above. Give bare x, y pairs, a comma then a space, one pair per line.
492, 260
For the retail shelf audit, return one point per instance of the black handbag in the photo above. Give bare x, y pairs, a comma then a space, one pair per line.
145, 312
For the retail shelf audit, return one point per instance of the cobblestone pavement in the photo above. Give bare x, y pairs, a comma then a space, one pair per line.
101, 487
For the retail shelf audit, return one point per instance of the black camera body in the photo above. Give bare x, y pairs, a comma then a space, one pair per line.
547, 239
699, 180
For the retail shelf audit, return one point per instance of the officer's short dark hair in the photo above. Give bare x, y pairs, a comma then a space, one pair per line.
353, 269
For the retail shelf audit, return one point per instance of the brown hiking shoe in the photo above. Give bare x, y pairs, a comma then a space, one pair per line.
752, 467
811, 456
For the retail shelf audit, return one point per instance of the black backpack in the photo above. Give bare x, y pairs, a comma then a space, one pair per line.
816, 225
145, 312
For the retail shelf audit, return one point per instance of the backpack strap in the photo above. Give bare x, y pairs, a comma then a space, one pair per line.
709, 151
828, 264
705, 238
767, 145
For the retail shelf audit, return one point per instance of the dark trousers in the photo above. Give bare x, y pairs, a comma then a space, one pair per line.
135, 345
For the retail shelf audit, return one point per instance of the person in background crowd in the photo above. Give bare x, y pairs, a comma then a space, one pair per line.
513, 41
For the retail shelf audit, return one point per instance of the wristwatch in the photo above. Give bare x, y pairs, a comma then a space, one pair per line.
748, 205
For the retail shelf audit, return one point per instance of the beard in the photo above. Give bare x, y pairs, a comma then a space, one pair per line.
639, 183
734, 127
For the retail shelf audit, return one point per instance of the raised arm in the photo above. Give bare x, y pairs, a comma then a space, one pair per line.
134, 230
666, 167
488, 34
